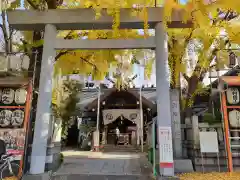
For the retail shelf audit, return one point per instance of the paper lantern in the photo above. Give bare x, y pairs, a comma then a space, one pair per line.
232, 60
17, 117
5, 118
7, 96
233, 96
20, 96
234, 118
17, 63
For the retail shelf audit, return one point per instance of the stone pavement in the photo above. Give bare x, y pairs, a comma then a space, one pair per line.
103, 166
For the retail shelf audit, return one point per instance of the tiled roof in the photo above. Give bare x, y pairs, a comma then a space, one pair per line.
88, 96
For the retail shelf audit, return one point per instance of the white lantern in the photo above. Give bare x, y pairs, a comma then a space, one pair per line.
5, 117
17, 117
234, 118
15, 62
7, 96
20, 96
233, 96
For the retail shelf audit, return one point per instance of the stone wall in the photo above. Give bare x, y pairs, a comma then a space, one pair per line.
207, 161
191, 146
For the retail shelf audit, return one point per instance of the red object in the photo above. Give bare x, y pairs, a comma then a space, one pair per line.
15, 152
97, 148
166, 165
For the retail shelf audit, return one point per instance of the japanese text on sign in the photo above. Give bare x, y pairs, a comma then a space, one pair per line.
166, 150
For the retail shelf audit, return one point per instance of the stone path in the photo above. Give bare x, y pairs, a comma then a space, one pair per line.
103, 166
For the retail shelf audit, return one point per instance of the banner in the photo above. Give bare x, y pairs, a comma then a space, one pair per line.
111, 115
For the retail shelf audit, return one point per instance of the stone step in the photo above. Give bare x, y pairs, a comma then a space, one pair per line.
100, 177
120, 148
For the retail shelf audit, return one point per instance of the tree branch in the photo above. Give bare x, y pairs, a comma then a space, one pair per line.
61, 53
186, 77
25, 47
34, 6
85, 60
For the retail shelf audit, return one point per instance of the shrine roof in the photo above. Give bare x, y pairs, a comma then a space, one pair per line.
87, 97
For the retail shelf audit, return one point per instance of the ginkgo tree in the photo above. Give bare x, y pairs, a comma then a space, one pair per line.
85, 62
208, 18
209, 38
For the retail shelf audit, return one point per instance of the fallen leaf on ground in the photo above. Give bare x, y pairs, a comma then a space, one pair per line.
210, 176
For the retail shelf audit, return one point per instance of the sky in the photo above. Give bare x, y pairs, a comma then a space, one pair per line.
183, 1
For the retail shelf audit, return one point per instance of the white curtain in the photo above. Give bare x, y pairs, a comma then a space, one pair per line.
110, 115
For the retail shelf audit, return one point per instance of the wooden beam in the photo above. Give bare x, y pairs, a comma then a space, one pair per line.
84, 19
13, 82
148, 43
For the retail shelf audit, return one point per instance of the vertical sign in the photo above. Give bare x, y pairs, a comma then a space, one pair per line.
176, 123
166, 150
96, 139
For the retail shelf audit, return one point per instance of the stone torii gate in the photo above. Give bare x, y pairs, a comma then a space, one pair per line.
84, 19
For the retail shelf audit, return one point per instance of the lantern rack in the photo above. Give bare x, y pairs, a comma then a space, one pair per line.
21, 131
12, 107
230, 81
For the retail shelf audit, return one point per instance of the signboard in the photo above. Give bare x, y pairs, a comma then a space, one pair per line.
176, 123
208, 142
166, 150
15, 140
96, 138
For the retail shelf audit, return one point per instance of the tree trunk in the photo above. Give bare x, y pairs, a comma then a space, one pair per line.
192, 86
35, 69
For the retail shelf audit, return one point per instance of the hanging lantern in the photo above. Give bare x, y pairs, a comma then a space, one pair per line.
3, 63
234, 118
232, 60
20, 96
7, 96
25, 62
17, 63
5, 118
233, 96
17, 117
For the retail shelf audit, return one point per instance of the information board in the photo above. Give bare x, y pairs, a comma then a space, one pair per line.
209, 142
166, 150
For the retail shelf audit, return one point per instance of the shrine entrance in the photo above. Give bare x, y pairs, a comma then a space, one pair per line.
120, 131
122, 126
120, 116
